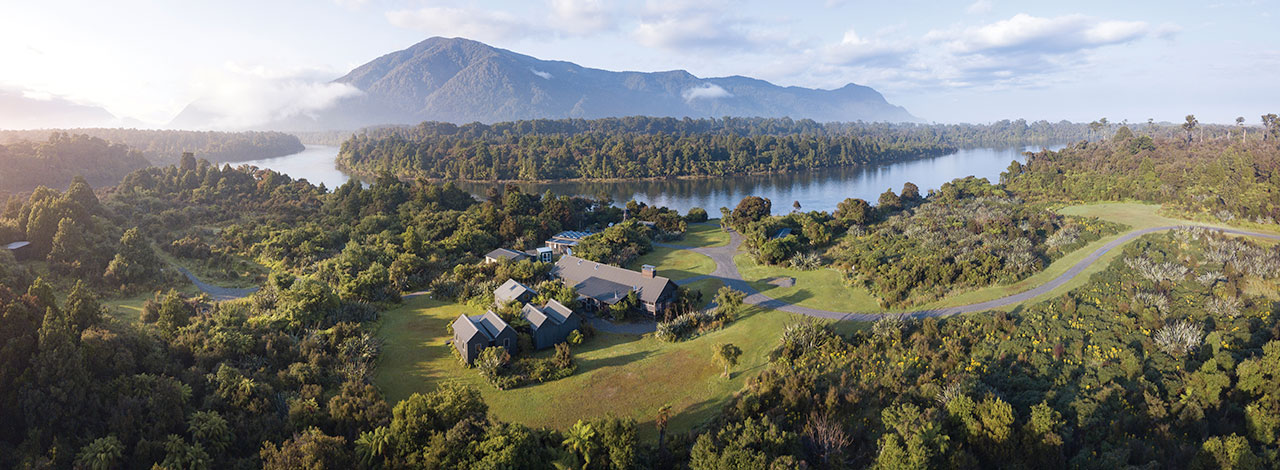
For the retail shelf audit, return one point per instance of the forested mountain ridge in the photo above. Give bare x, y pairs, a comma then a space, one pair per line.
165, 147
460, 80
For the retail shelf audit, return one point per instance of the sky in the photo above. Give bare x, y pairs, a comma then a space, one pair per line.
966, 61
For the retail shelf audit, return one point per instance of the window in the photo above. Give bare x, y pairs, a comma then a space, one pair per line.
506, 343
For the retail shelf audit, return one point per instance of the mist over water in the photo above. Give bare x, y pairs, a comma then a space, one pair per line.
816, 190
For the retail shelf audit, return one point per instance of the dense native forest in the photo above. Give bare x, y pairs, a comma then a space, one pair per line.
1165, 359
165, 147
644, 147
1225, 177
55, 159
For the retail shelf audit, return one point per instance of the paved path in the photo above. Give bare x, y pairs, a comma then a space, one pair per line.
727, 272
217, 293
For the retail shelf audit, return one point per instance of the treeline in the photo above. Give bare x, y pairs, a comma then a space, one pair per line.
55, 159
435, 150
165, 147
1222, 179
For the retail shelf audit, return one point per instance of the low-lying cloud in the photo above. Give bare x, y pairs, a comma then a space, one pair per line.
707, 91
237, 97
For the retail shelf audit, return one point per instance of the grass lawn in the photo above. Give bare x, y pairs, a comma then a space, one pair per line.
700, 236
627, 376
127, 309
821, 288
675, 264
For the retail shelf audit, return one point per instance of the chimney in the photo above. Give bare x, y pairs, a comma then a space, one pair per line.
648, 271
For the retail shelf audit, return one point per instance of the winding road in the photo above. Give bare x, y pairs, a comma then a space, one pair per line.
215, 292
727, 272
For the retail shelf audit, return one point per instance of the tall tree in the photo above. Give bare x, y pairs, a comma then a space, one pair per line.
1244, 133
727, 354
1190, 126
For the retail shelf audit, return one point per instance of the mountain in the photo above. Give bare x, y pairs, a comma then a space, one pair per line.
20, 111
460, 80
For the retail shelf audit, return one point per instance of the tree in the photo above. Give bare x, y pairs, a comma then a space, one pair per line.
135, 262
581, 439
311, 450
727, 354
82, 307
795, 206
1190, 126
696, 215
854, 210
1270, 126
889, 202
69, 252
664, 415
1244, 133
751, 209
911, 192
103, 453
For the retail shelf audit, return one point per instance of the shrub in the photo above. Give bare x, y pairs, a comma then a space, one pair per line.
696, 215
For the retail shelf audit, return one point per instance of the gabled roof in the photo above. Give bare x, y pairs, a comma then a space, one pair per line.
503, 253
554, 313
491, 323
557, 311
465, 328
608, 283
535, 316
572, 235
511, 290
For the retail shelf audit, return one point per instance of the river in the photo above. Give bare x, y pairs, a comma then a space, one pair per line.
815, 190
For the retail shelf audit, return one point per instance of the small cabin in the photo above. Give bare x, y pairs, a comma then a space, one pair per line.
551, 323
512, 291
503, 254
473, 334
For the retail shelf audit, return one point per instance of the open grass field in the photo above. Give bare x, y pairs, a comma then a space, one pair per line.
675, 264
820, 288
627, 376
700, 235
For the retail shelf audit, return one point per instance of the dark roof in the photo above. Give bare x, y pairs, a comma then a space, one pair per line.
465, 328
568, 237
510, 290
503, 253
556, 309
554, 313
783, 233
608, 283
16, 245
491, 323
534, 315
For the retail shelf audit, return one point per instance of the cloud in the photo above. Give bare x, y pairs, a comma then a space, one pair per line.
239, 97
472, 23
707, 91
544, 75
855, 50
1022, 51
690, 27
1034, 34
581, 16
979, 7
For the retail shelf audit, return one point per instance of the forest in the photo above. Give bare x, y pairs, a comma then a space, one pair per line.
1164, 359
646, 147
1229, 177
56, 158
165, 147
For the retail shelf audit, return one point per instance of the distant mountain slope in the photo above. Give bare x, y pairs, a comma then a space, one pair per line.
18, 111
460, 80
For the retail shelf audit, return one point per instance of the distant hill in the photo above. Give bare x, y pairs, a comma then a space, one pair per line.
460, 81
54, 161
165, 147
18, 111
